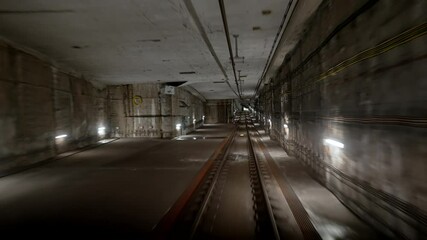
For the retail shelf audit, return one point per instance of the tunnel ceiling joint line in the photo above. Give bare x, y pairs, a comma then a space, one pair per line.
205, 38
227, 36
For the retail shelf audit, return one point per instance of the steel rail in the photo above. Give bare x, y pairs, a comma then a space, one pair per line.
207, 197
263, 187
212, 186
300, 214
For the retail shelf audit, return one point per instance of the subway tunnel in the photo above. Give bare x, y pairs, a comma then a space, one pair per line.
205, 119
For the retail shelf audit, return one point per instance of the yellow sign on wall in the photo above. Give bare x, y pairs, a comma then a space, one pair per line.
137, 100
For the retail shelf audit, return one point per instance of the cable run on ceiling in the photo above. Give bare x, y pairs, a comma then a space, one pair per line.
276, 41
205, 38
227, 35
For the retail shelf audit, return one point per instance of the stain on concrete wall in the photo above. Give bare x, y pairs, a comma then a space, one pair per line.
39, 102
358, 77
144, 110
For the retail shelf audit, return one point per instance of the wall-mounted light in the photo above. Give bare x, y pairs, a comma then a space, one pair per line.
61, 136
101, 131
333, 143
178, 126
286, 128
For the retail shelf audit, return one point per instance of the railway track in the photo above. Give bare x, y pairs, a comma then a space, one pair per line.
236, 197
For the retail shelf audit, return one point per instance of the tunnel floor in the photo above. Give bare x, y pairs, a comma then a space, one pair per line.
122, 189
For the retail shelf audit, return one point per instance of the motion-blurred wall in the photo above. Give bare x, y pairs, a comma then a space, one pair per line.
358, 77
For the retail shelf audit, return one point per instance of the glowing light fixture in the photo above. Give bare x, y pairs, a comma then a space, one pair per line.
101, 131
178, 126
333, 143
61, 136
285, 125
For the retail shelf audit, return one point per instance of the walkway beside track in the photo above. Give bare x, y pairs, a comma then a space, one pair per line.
329, 216
253, 187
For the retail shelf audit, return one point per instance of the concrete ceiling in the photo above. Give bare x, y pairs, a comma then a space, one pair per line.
134, 41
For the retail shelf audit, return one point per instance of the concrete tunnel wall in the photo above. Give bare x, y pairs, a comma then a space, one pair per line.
220, 111
40, 101
144, 110
374, 102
